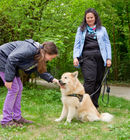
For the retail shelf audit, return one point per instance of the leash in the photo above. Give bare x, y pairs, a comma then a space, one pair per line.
80, 97
105, 84
107, 90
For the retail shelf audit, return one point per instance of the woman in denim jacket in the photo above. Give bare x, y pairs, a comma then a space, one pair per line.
92, 50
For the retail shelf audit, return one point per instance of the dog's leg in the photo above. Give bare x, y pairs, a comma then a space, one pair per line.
71, 114
63, 114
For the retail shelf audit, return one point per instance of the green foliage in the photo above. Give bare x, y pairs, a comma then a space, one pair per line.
56, 20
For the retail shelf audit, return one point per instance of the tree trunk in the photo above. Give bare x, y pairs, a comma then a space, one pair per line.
127, 15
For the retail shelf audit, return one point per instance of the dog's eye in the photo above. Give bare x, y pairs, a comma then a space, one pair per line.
65, 77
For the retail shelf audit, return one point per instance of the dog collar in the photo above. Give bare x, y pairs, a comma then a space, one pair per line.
79, 96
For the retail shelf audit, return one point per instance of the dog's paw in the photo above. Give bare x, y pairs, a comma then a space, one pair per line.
57, 120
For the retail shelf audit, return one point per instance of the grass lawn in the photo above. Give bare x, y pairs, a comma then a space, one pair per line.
43, 106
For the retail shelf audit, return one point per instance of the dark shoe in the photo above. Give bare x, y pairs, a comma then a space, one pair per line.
22, 121
11, 124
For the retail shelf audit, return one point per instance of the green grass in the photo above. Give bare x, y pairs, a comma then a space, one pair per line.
43, 106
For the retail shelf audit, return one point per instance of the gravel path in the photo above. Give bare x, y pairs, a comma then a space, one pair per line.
117, 91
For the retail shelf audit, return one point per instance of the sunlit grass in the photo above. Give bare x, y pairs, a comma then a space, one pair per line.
43, 106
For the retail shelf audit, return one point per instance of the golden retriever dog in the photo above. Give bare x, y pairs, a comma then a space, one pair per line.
77, 104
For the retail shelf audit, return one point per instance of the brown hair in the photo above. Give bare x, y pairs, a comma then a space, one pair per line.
49, 48
97, 19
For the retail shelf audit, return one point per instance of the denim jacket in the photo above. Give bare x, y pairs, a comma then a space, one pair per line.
103, 41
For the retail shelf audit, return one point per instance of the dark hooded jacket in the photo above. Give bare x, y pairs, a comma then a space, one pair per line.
20, 55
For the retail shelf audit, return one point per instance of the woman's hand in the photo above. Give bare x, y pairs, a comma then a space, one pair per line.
76, 62
56, 81
108, 63
8, 85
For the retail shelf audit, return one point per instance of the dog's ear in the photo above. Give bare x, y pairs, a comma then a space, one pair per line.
75, 74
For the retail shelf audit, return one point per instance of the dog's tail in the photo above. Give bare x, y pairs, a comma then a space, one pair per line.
106, 117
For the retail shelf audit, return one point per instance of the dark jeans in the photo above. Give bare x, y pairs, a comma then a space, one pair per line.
93, 70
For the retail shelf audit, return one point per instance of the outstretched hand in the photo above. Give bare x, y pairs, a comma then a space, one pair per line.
56, 81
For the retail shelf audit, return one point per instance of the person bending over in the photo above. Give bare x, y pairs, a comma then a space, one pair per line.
29, 56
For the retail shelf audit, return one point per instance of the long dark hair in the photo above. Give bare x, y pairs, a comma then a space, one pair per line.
97, 19
49, 48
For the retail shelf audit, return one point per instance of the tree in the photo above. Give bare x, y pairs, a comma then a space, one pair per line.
57, 21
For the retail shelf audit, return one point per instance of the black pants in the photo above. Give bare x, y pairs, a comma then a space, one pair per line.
93, 70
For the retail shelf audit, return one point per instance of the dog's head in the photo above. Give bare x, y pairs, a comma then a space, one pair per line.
68, 79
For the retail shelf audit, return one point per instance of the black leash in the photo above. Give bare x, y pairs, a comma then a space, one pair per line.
80, 97
105, 84
107, 90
